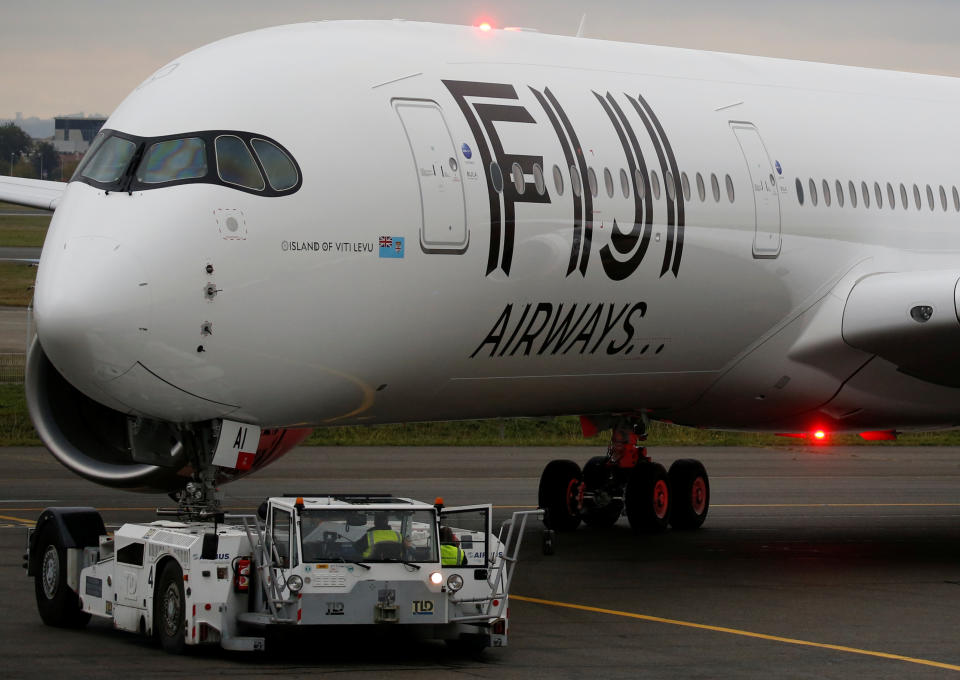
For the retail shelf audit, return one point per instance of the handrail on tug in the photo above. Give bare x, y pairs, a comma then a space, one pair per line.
501, 576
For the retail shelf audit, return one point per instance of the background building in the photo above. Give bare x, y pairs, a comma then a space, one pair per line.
73, 134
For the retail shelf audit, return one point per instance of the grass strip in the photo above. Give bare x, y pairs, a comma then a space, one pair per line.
26, 231
16, 284
17, 430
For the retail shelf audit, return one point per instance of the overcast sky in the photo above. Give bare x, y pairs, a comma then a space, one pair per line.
66, 56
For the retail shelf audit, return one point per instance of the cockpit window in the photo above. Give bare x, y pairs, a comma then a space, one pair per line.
244, 161
109, 161
173, 160
235, 165
279, 168
91, 152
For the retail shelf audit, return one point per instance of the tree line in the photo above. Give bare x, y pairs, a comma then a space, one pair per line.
22, 156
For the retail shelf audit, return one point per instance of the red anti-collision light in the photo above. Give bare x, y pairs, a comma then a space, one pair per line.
484, 26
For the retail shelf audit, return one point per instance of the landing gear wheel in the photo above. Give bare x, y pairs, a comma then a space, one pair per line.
690, 494
647, 498
596, 478
169, 609
57, 603
559, 495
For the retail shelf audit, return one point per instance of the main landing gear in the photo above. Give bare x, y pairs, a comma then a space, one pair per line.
625, 480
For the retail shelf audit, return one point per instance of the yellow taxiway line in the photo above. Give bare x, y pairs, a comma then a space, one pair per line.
737, 631
25, 522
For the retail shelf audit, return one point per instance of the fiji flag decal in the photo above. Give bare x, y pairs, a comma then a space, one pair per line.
391, 246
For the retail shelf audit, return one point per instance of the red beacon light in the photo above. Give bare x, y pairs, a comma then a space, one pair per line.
819, 435
484, 26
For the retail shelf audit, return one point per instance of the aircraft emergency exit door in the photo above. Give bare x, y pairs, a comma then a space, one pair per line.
766, 194
443, 211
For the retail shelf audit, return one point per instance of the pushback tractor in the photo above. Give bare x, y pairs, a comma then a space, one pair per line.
307, 561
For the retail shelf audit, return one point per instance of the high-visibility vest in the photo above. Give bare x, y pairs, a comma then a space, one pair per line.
381, 536
451, 555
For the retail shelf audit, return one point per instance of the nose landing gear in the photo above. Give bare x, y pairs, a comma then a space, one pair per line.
624, 480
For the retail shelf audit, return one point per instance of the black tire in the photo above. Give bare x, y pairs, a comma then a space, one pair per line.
170, 609
559, 495
596, 473
647, 498
596, 477
57, 603
690, 491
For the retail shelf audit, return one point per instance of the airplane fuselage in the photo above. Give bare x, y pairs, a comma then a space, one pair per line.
415, 274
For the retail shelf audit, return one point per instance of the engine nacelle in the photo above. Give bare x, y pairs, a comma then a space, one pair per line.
116, 449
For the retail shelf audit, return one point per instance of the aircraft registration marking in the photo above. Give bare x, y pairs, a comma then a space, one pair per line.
739, 632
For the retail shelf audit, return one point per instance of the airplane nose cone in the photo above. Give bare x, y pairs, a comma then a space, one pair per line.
92, 309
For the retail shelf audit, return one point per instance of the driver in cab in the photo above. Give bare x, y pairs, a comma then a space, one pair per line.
451, 554
380, 541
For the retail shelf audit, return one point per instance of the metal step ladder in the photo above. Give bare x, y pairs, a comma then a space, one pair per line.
500, 576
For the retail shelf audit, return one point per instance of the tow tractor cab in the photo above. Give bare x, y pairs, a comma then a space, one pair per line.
301, 561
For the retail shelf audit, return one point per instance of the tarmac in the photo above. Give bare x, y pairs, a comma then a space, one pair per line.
814, 562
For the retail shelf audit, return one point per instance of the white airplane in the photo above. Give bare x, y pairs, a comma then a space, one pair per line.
377, 222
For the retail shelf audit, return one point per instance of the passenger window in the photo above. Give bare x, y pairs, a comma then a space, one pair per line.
235, 165
730, 195
852, 192
826, 193
496, 177
813, 192
281, 172
519, 181
916, 196
865, 192
671, 186
891, 197
904, 201
930, 197
576, 184
110, 160
839, 192
655, 185
701, 189
173, 160
799, 191
715, 187
624, 183
956, 199
685, 185
592, 180
641, 186
608, 182
878, 195
538, 182
943, 198
558, 180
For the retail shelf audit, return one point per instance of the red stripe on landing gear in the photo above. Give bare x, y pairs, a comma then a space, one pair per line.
661, 498
698, 495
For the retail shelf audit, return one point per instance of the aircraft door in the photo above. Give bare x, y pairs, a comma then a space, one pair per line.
766, 193
443, 226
